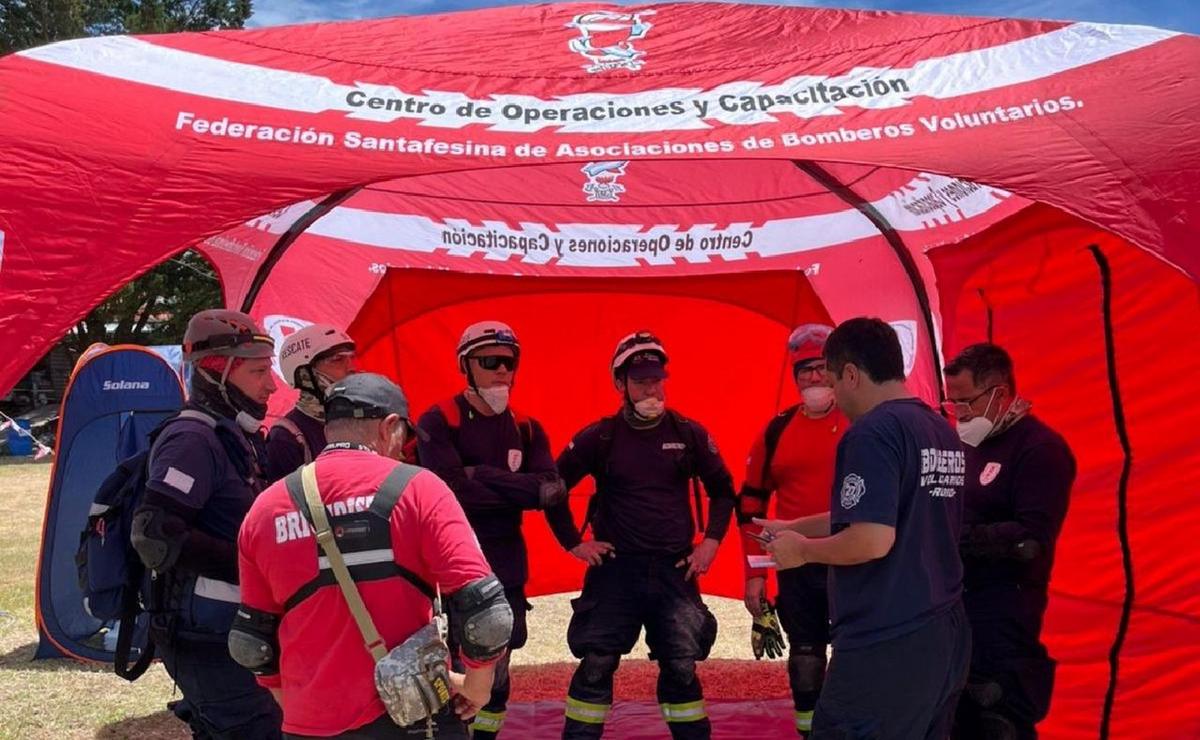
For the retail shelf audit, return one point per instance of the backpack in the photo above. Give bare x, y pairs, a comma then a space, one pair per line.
116, 587
687, 432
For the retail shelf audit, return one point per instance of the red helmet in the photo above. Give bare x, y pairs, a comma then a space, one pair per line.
807, 342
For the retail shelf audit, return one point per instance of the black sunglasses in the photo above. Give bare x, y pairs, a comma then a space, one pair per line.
495, 362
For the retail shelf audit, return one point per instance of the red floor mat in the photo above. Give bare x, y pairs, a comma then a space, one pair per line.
640, 720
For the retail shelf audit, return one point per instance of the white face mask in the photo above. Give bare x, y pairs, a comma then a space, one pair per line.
649, 408
495, 397
818, 399
974, 431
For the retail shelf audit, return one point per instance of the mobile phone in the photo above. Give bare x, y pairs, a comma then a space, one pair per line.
764, 537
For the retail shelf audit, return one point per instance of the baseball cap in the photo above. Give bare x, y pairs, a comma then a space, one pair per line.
364, 396
645, 366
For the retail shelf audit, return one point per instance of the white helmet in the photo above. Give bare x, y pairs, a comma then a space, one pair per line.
486, 334
307, 345
641, 344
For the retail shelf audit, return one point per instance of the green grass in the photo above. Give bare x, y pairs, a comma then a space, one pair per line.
66, 699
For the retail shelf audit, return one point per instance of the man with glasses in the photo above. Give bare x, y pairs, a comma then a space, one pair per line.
901, 642
498, 463
794, 457
1018, 482
643, 565
311, 361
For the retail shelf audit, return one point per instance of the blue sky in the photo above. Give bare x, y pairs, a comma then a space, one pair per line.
1180, 15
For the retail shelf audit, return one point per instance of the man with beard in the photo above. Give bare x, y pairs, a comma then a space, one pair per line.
205, 470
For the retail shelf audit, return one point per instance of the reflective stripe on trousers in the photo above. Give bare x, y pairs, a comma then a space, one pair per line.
692, 711
804, 721
582, 711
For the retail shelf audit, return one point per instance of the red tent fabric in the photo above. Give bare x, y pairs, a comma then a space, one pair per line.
716, 172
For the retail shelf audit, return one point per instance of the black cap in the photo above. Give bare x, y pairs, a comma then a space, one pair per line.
364, 396
645, 365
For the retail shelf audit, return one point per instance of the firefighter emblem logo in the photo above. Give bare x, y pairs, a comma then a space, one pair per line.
603, 185
853, 488
514, 460
989, 473
606, 39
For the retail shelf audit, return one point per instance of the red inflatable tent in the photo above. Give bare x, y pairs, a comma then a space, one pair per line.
715, 172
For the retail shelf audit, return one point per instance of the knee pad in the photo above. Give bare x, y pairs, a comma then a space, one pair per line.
678, 670
984, 694
993, 726
806, 668
597, 668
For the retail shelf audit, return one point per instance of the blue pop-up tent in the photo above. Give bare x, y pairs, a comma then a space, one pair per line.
115, 398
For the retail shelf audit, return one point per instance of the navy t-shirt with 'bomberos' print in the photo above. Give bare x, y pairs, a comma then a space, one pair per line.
900, 464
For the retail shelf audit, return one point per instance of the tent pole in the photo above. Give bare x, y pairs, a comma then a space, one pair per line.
288, 237
852, 198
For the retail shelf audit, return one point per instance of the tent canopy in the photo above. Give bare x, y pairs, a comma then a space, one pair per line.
715, 172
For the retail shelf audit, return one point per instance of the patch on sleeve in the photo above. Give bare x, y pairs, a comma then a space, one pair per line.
853, 488
712, 445
179, 480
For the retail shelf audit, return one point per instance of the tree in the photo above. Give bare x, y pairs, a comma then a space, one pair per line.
153, 309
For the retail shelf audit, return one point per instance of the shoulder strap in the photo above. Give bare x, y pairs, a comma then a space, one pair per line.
290, 427
449, 409
391, 489
608, 430
524, 428
771, 437
374, 643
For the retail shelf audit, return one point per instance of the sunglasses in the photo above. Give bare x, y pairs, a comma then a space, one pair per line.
495, 362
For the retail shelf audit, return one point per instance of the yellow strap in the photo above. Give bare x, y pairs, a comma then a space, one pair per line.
316, 510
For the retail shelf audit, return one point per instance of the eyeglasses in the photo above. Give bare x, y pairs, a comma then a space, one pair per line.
495, 362
809, 368
958, 409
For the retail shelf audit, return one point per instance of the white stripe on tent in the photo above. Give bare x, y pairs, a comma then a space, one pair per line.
951, 76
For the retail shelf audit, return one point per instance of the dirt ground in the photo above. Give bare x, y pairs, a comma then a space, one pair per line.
65, 699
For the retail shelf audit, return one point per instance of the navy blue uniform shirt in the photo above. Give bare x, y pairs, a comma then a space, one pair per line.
644, 503
506, 477
901, 465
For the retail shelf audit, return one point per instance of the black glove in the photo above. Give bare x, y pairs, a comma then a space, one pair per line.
765, 635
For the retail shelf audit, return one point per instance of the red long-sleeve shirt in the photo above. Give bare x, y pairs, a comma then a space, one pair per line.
801, 473
325, 671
